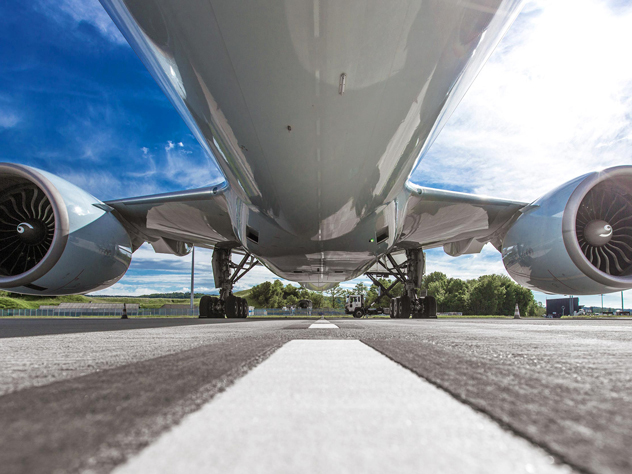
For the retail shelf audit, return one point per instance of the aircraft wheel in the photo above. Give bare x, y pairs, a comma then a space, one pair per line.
396, 307
213, 312
231, 305
205, 306
404, 307
430, 307
244, 307
358, 313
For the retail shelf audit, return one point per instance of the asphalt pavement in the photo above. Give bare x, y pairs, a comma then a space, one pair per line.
98, 395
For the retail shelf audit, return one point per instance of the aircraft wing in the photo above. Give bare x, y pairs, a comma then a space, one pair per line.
461, 223
172, 221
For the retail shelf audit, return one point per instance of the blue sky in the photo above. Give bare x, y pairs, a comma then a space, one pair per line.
554, 101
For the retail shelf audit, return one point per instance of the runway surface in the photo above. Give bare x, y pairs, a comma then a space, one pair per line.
315, 396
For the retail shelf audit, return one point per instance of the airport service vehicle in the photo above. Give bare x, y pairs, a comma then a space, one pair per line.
316, 112
354, 304
422, 306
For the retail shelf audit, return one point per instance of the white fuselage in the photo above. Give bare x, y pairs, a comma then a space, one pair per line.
316, 172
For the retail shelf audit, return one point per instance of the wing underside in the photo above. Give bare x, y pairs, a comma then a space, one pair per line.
170, 222
461, 223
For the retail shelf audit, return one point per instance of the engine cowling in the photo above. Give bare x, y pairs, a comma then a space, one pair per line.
577, 239
55, 238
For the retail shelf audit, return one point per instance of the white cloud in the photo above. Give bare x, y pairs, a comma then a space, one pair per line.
187, 169
8, 119
88, 11
552, 103
105, 186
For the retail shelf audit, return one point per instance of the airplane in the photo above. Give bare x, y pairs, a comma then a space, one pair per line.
316, 112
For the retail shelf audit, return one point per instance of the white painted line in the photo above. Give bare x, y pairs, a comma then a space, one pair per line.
322, 324
337, 406
327, 325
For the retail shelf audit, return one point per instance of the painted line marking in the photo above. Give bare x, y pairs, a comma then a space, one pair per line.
337, 406
322, 324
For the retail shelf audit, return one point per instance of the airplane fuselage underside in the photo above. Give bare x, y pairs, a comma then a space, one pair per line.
315, 110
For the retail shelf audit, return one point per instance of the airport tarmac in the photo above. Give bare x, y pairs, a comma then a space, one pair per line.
336, 395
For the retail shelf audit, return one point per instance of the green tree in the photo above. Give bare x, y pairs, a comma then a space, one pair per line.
538, 309
334, 293
457, 296
487, 295
290, 290
262, 294
318, 299
276, 302
360, 289
430, 278
372, 295
515, 293
436, 284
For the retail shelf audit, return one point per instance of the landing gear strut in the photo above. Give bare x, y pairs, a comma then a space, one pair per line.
226, 274
410, 274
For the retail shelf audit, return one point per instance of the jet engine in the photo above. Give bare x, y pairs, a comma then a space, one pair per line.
577, 239
55, 238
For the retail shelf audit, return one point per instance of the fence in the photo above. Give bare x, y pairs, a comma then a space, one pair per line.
289, 313
96, 312
278, 313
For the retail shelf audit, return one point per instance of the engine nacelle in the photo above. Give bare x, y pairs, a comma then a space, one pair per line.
577, 239
55, 238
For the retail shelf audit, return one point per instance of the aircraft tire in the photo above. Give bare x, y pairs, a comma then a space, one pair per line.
212, 312
205, 306
244, 308
231, 305
404, 307
430, 307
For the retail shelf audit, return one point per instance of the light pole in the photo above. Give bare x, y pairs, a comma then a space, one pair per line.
192, 276
622, 308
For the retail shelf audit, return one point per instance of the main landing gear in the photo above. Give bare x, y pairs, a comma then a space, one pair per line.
410, 273
226, 274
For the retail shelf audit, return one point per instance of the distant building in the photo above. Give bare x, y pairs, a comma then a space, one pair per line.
559, 307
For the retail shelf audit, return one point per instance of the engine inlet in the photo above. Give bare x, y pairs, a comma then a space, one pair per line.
604, 228
27, 227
